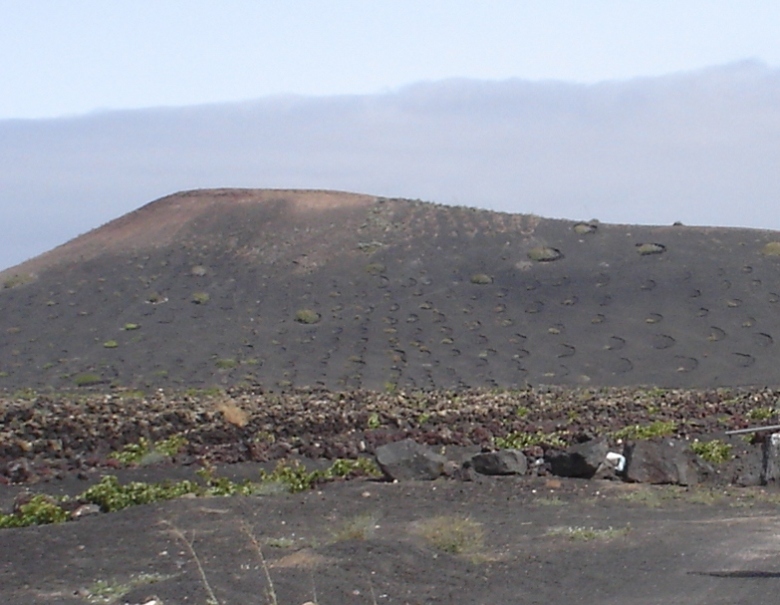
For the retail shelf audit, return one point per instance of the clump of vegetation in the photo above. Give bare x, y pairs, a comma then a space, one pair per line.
544, 254
18, 279
226, 363
771, 249
715, 451
103, 591
651, 248
155, 298
199, 271
200, 298
518, 440
131, 326
453, 534
584, 228
307, 316
589, 533
296, 478
40, 510
658, 428
360, 527
110, 344
88, 379
761, 414
136, 453
112, 496
481, 279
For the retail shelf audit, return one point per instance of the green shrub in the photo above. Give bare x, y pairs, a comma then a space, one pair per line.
130, 326
518, 440
771, 249
85, 380
134, 453
658, 428
715, 451
761, 414
111, 496
200, 298
111, 344
307, 316
647, 249
481, 279
226, 363
16, 280
40, 510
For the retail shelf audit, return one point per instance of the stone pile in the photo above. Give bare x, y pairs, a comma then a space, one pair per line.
654, 461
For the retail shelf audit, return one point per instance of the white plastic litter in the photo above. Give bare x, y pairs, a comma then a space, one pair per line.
617, 460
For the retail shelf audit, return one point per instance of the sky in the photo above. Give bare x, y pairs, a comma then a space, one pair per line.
627, 111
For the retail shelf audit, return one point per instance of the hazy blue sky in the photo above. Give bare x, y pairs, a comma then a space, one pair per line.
626, 111
64, 57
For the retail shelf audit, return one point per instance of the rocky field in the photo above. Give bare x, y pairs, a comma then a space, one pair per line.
47, 435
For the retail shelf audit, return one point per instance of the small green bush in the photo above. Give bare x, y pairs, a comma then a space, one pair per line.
481, 279
111, 496
761, 414
16, 280
307, 316
111, 344
517, 440
226, 363
658, 428
200, 298
130, 326
771, 249
85, 380
647, 249
40, 510
715, 451
134, 453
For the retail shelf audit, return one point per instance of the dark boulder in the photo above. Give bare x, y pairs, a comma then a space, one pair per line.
582, 460
406, 460
669, 461
502, 462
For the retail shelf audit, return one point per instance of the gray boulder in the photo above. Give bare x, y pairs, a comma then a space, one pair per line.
582, 460
665, 461
407, 460
502, 462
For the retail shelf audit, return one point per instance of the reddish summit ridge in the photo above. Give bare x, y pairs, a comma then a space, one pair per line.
160, 222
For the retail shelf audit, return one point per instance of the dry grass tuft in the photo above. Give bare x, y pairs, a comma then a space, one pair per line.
360, 527
233, 414
453, 534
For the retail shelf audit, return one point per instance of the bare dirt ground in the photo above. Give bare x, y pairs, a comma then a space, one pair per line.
512, 540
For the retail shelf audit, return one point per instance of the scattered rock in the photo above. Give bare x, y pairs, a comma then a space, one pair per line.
406, 460
85, 510
502, 462
21, 471
669, 461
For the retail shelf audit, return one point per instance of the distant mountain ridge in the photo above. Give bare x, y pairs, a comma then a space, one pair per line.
290, 288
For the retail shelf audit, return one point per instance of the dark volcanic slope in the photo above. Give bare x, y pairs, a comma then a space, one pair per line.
217, 287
